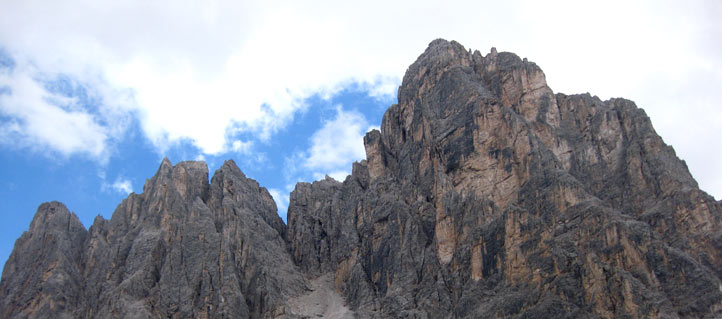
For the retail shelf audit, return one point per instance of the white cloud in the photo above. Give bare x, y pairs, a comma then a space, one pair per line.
332, 150
197, 72
242, 147
120, 185
203, 72
281, 198
337, 144
44, 120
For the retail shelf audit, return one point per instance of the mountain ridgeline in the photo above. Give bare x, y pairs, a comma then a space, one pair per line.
483, 195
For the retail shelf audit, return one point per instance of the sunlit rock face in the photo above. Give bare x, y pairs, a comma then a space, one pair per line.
483, 195
487, 195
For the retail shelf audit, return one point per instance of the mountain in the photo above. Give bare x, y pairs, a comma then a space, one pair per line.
483, 195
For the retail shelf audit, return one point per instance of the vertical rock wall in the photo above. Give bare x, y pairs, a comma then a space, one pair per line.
486, 193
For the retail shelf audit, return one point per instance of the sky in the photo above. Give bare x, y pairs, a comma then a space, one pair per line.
93, 94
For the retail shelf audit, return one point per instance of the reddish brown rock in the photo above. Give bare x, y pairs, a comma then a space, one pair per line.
485, 194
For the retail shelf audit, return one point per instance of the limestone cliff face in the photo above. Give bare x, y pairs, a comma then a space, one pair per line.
484, 194
44, 272
184, 248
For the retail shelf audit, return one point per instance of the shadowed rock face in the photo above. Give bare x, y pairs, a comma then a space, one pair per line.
484, 194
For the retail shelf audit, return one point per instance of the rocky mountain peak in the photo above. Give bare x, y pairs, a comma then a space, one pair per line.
481, 162
513, 81
483, 194
54, 216
230, 184
44, 271
189, 179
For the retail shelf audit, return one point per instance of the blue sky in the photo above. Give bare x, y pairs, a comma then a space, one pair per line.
94, 94
90, 188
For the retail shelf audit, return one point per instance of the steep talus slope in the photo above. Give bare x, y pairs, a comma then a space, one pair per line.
486, 193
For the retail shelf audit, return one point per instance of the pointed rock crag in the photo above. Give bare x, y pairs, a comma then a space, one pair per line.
483, 195
182, 249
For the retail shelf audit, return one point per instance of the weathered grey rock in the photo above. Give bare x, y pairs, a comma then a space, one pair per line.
484, 194
43, 277
185, 248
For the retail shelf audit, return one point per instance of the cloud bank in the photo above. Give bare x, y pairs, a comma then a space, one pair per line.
209, 72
